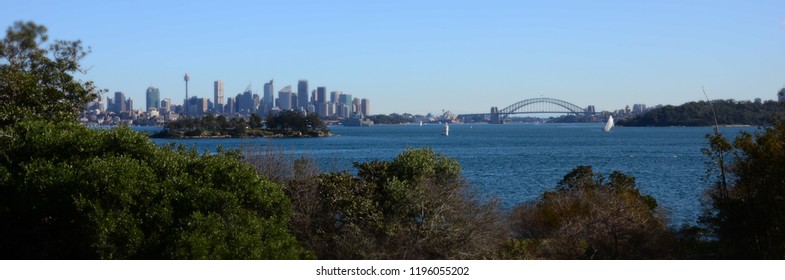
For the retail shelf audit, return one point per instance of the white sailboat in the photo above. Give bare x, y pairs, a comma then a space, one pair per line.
608, 125
446, 130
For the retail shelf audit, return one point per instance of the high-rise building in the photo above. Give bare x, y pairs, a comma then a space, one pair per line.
118, 104
245, 102
285, 98
334, 96
365, 107
356, 106
166, 105
321, 94
302, 94
218, 96
153, 98
129, 105
345, 99
230, 105
268, 98
201, 104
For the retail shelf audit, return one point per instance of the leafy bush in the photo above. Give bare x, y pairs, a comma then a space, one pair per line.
587, 217
69, 192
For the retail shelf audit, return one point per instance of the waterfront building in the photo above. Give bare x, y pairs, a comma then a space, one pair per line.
356, 106
218, 96
302, 94
365, 107
153, 98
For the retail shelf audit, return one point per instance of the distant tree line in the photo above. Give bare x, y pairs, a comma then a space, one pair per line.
728, 112
390, 119
285, 123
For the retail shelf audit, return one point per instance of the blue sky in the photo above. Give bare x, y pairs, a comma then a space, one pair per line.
425, 56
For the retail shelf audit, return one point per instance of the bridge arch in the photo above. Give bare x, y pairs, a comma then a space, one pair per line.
535, 105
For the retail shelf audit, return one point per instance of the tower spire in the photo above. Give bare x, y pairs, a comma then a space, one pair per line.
185, 104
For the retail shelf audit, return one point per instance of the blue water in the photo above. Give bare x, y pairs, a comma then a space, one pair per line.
518, 162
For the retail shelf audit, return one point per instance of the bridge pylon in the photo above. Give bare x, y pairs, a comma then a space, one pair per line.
495, 118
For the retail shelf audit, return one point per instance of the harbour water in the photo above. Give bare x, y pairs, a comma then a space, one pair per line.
518, 162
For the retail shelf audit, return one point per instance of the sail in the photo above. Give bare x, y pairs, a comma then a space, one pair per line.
608, 125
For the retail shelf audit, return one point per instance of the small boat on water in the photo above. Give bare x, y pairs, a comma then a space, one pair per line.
608, 125
446, 130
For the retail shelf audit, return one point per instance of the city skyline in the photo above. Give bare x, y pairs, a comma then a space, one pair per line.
420, 57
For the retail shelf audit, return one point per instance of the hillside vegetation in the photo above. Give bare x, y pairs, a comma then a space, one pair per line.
729, 112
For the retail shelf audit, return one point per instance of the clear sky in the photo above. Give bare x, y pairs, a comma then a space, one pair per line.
425, 56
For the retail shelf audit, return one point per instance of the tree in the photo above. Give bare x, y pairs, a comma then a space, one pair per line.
255, 122
416, 206
37, 81
587, 217
70, 192
746, 207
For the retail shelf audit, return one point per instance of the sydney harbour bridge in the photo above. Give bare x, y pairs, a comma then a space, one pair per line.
540, 105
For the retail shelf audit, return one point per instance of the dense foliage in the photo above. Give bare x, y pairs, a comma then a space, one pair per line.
71, 192
287, 123
416, 206
390, 119
747, 203
587, 217
295, 122
729, 112
36, 82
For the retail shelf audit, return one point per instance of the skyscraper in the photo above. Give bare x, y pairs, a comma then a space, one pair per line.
153, 98
302, 94
365, 107
218, 92
285, 98
321, 101
321, 94
119, 105
268, 98
166, 105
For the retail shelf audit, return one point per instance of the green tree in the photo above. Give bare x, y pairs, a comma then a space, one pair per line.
255, 122
587, 217
747, 203
416, 206
70, 192
36, 81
